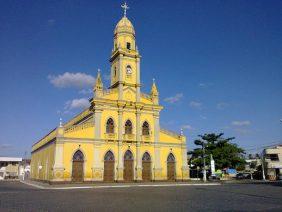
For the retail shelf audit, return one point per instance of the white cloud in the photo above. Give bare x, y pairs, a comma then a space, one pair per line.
51, 22
76, 104
174, 99
187, 127
79, 80
241, 123
222, 105
242, 131
195, 104
85, 91
5, 146
203, 117
204, 85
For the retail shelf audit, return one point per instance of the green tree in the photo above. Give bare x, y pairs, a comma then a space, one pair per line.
225, 153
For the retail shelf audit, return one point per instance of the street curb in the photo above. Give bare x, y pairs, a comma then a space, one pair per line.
119, 186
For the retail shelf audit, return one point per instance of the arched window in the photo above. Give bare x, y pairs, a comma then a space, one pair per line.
110, 128
146, 157
128, 69
145, 128
128, 45
78, 156
170, 158
128, 127
109, 156
128, 155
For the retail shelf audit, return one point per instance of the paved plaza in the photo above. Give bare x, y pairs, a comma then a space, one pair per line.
16, 196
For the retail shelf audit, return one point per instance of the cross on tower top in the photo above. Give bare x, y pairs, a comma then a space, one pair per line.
124, 7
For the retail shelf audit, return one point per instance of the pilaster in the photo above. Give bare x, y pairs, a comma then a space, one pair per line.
97, 120
138, 79
120, 159
138, 151
185, 167
58, 168
97, 165
157, 152
120, 79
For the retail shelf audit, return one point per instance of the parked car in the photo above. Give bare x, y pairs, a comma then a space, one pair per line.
241, 176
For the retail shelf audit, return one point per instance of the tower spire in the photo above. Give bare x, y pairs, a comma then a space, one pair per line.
125, 7
155, 93
98, 88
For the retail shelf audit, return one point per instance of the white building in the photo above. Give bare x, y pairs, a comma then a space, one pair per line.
10, 167
273, 162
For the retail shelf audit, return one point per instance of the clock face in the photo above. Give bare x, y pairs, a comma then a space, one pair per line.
128, 70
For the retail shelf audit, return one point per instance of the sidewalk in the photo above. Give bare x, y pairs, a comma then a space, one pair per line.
66, 186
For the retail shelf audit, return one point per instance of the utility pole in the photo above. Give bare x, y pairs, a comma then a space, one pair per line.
205, 174
262, 166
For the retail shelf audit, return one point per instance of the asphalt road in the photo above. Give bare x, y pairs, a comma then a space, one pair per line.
15, 196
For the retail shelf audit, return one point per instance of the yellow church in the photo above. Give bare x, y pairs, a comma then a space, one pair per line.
118, 138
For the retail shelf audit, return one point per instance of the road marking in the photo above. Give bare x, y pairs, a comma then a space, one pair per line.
119, 186
33, 185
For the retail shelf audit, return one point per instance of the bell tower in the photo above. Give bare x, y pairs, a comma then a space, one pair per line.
125, 61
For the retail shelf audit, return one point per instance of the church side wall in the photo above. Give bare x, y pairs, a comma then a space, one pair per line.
42, 162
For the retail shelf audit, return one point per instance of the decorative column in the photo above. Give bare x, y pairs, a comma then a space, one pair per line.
138, 152
157, 165
58, 168
120, 158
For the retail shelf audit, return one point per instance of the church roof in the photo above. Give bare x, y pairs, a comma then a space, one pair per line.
124, 25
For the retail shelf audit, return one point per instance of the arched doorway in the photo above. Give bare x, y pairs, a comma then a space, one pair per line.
109, 167
128, 173
171, 167
77, 166
146, 167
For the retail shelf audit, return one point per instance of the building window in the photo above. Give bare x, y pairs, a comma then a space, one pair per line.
109, 156
128, 46
115, 71
128, 155
110, 128
128, 69
128, 127
145, 128
170, 158
146, 157
272, 157
78, 156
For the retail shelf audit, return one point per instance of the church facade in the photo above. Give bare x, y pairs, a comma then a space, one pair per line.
118, 138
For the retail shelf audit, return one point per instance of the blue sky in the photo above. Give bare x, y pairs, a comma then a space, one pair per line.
217, 64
